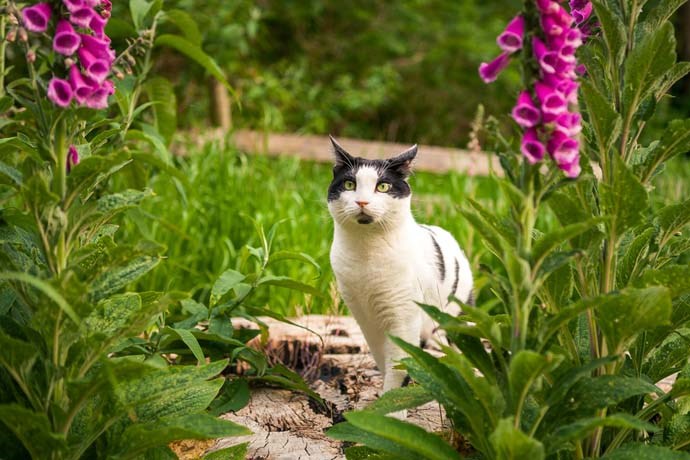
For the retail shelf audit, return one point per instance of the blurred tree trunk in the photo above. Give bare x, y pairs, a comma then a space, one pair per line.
219, 104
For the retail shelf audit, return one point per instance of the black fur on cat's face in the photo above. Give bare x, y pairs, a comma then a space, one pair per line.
368, 191
394, 171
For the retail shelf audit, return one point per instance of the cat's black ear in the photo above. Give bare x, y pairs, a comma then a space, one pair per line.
341, 156
403, 162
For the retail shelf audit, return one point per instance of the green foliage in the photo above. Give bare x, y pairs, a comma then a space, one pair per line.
588, 317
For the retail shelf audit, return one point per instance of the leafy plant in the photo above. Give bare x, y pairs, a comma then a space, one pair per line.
67, 390
591, 315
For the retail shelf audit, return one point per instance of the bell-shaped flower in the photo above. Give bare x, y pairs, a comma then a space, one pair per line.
36, 17
82, 86
511, 38
550, 62
60, 92
525, 113
531, 147
82, 17
582, 14
73, 5
66, 40
553, 103
562, 148
488, 71
547, 6
566, 86
99, 98
72, 158
571, 169
97, 25
94, 68
98, 47
570, 123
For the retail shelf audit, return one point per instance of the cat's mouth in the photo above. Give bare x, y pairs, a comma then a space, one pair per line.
364, 219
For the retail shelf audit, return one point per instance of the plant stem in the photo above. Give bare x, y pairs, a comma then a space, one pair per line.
3, 45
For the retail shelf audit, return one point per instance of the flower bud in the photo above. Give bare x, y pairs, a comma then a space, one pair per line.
31, 56
69, 62
23, 35
11, 35
12, 19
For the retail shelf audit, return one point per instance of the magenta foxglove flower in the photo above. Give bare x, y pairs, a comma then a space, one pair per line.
60, 92
569, 123
82, 16
82, 86
489, 71
562, 148
531, 147
72, 158
98, 47
525, 113
552, 102
572, 169
547, 6
66, 40
97, 24
106, 8
95, 69
582, 14
99, 98
73, 5
36, 17
511, 38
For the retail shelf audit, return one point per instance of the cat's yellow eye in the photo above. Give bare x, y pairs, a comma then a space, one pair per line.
349, 185
383, 187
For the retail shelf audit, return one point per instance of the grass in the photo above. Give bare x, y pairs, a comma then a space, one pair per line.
205, 222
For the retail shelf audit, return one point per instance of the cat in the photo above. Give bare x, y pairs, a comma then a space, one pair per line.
384, 262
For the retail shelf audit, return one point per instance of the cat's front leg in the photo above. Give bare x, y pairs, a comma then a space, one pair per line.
408, 328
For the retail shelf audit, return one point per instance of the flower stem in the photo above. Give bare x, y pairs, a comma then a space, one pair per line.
3, 45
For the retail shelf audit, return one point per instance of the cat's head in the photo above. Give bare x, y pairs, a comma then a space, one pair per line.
372, 193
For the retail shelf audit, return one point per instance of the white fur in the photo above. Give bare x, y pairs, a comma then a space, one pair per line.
383, 268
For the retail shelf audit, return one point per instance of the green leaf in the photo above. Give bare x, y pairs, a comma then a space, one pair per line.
399, 399
552, 240
160, 90
195, 53
569, 379
639, 451
526, 370
510, 443
624, 199
226, 281
366, 453
660, 13
673, 76
594, 393
605, 121
46, 289
671, 219
15, 175
300, 256
674, 277
233, 396
186, 24
139, 9
237, 452
674, 141
669, 357
139, 437
190, 341
152, 138
33, 429
118, 277
109, 204
580, 429
393, 436
634, 257
647, 64
613, 32
287, 282
623, 315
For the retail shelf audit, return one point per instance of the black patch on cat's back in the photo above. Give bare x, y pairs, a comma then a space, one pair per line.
440, 263
457, 277
348, 171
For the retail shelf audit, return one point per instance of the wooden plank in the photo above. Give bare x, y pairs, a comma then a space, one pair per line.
318, 148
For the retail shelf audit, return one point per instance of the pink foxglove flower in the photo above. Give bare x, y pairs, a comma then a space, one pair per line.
511, 38
488, 71
572, 169
36, 17
99, 98
73, 5
547, 6
82, 17
97, 25
66, 40
562, 148
531, 147
95, 69
98, 47
72, 158
82, 86
569, 123
60, 92
525, 113
552, 101
581, 15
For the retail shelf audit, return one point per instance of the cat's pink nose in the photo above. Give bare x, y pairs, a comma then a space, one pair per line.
361, 204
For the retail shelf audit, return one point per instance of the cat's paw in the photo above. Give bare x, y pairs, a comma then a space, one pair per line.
400, 415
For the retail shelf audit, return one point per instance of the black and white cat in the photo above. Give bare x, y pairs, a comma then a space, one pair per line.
384, 261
